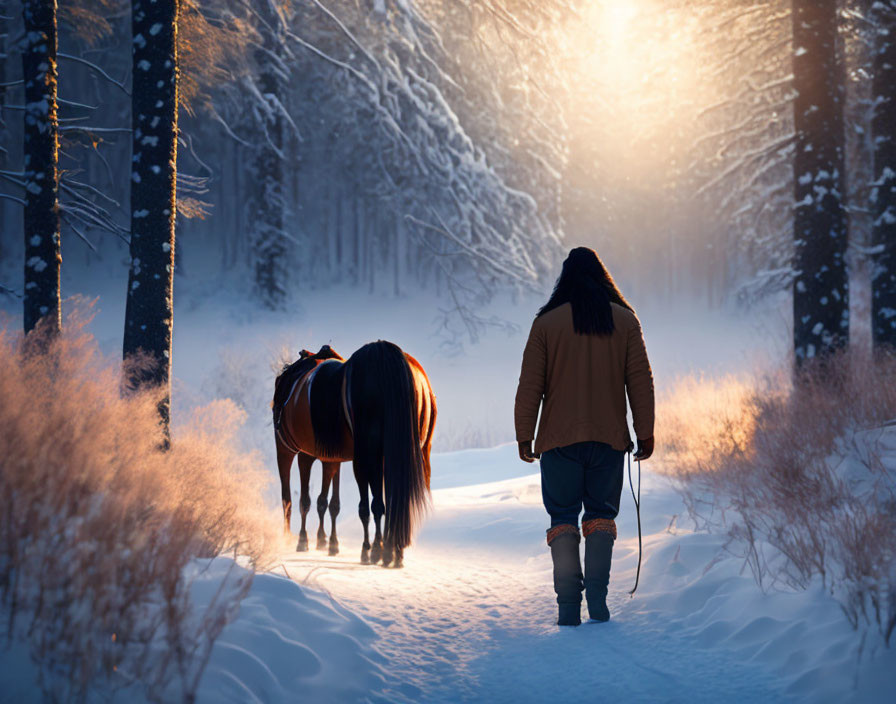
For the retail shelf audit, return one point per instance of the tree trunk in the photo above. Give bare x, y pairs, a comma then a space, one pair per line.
883, 197
4, 57
43, 257
150, 306
821, 286
4, 128
269, 244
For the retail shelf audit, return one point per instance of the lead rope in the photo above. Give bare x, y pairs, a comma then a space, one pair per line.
638, 512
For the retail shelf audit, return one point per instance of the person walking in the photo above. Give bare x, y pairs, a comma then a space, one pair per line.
584, 354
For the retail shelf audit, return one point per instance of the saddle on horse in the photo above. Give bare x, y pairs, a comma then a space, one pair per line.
291, 374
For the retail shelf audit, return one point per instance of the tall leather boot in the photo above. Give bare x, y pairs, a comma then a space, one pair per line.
564, 542
600, 533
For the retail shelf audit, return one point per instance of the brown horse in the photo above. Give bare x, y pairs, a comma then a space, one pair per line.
376, 409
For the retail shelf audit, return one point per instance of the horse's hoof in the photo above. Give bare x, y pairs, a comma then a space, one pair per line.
322, 544
302, 545
334, 548
387, 559
365, 557
376, 553
398, 564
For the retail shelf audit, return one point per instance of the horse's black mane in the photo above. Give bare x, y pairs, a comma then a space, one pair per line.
327, 415
292, 371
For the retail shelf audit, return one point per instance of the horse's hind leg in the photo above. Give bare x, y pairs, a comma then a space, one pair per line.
363, 511
334, 508
368, 467
322, 504
305, 462
381, 548
284, 465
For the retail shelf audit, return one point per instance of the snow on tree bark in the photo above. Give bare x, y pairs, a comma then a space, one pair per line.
149, 311
883, 196
4, 133
43, 257
821, 286
266, 210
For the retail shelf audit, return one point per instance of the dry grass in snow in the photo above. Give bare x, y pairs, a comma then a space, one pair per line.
803, 476
98, 527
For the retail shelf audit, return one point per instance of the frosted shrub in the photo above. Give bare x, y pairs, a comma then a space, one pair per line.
99, 529
803, 477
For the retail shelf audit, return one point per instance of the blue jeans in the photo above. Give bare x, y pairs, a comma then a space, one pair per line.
585, 474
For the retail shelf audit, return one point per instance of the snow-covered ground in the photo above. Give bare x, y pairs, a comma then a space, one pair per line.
471, 615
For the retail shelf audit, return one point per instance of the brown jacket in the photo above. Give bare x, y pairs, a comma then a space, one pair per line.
583, 380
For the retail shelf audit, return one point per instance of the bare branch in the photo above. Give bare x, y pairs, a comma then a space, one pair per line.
15, 199
97, 69
11, 292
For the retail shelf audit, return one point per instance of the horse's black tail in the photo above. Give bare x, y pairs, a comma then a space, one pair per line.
384, 404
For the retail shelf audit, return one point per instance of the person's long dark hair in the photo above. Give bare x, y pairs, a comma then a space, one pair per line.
585, 283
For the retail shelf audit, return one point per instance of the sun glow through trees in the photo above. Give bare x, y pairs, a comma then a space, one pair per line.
636, 59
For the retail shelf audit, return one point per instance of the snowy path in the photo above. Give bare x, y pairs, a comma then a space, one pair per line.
461, 627
471, 615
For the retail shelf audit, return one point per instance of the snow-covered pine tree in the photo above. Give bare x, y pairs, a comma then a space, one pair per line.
149, 312
883, 128
267, 202
821, 284
43, 258
4, 133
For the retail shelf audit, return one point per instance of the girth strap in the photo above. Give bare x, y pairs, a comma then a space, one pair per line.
288, 445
